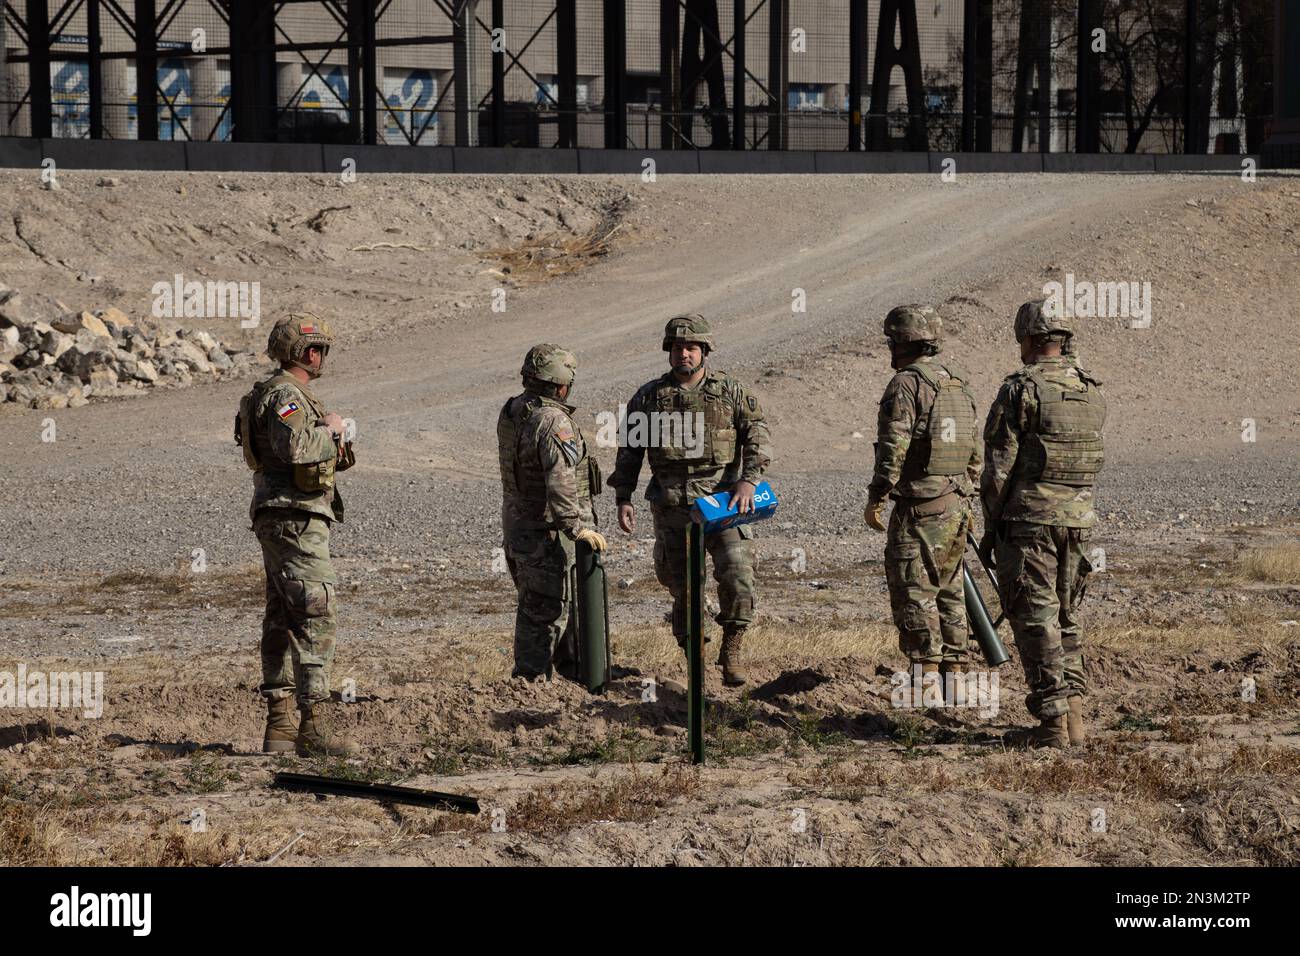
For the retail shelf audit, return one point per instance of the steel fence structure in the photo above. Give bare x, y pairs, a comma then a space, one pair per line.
1089, 76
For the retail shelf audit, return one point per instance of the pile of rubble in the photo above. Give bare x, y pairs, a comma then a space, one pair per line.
76, 356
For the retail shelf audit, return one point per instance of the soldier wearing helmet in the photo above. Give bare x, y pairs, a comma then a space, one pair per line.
1043, 451
548, 479
722, 445
294, 447
927, 460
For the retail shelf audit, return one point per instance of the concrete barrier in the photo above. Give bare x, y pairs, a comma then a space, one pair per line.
667, 161
114, 154
989, 162
756, 161
20, 152
254, 157
390, 159
493, 159
1099, 163
846, 162
1211, 162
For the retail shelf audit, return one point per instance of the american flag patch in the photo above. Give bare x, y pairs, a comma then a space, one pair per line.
287, 410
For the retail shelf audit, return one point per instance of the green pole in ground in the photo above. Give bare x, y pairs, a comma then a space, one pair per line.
695, 641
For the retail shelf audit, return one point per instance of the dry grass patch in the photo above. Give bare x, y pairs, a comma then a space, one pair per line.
632, 797
1278, 564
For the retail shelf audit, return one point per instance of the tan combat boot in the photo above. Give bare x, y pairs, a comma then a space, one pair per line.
1050, 732
1074, 722
281, 730
732, 673
315, 738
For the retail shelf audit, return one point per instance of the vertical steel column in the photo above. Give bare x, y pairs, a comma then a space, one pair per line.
369, 71
499, 72
462, 23
356, 29
1190, 33
38, 66
857, 68
695, 640
984, 76
566, 54
253, 85
95, 65
1045, 84
738, 75
669, 71
1087, 85
146, 70
970, 30
777, 45
615, 74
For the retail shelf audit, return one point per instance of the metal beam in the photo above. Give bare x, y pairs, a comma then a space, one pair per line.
499, 73
1189, 73
970, 30
858, 13
738, 75
38, 65
146, 70
566, 54
369, 71
1087, 83
94, 65
778, 46
694, 542
388, 793
615, 27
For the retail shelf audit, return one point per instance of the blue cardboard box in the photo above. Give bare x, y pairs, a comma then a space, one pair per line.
716, 512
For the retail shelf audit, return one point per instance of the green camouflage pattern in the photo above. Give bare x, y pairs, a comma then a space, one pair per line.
737, 442
733, 568
913, 323
923, 556
1040, 317
548, 479
688, 328
550, 363
299, 626
1042, 574
1007, 488
900, 468
282, 441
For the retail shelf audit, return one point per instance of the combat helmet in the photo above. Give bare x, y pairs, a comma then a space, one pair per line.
686, 329
549, 363
1042, 317
912, 324
295, 333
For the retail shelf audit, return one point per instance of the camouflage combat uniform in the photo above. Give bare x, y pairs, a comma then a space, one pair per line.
735, 446
293, 527
1043, 449
548, 479
931, 478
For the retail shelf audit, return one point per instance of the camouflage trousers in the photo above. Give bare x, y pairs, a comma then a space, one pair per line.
923, 557
299, 625
733, 568
539, 562
1042, 572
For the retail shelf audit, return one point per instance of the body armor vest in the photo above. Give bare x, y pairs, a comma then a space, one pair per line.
1067, 435
678, 446
523, 478
943, 441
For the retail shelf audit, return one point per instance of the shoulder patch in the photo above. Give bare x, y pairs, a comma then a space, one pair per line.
288, 410
753, 403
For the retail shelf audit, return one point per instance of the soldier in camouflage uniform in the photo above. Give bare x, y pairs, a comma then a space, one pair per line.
548, 479
927, 460
729, 453
1043, 451
294, 448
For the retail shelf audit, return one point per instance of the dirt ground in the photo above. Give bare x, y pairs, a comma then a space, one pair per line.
125, 547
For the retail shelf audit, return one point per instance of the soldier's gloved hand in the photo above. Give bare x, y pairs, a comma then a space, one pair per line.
593, 539
988, 544
874, 514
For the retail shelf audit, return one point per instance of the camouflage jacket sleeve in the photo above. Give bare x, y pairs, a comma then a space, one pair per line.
627, 466
558, 451
1002, 434
752, 435
976, 459
291, 429
894, 424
